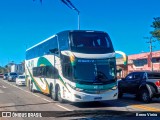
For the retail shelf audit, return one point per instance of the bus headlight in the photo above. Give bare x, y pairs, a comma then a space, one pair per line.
115, 87
78, 89
77, 96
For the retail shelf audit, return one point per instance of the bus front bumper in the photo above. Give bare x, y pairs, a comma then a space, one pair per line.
84, 97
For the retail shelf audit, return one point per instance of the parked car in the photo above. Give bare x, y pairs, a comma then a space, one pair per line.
1, 75
145, 85
12, 76
20, 80
5, 76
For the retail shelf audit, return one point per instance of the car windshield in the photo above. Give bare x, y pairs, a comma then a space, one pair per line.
13, 73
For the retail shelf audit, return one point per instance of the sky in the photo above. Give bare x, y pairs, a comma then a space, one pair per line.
24, 23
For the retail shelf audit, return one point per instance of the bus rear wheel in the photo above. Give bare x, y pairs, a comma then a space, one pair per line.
31, 87
53, 93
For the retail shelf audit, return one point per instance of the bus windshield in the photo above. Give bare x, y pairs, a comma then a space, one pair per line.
91, 42
95, 71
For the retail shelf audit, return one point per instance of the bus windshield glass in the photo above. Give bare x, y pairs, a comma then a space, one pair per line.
95, 71
91, 42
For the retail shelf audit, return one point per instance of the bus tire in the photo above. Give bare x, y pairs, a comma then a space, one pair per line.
31, 87
60, 99
53, 93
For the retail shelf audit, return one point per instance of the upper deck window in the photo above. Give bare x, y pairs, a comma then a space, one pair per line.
91, 42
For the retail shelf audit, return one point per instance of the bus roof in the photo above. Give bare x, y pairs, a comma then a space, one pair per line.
62, 32
41, 42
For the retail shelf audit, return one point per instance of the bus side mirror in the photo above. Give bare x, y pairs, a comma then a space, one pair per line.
55, 50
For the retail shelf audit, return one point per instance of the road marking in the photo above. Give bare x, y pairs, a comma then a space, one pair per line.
3, 86
64, 107
146, 108
46, 100
1, 91
38, 96
142, 107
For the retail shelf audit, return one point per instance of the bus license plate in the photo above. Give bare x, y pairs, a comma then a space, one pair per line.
97, 98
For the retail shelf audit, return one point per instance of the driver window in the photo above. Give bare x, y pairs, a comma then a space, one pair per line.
137, 76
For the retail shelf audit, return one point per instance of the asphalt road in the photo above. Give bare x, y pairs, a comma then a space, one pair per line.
20, 99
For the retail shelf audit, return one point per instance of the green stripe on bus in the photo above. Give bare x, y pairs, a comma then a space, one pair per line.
43, 61
32, 79
96, 87
63, 83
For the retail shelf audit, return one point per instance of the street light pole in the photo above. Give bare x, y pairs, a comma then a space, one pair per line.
78, 12
151, 49
78, 20
69, 4
150, 42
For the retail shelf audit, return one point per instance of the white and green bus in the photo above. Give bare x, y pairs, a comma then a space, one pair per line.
73, 65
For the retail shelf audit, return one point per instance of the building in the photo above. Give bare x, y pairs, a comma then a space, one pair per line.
18, 68
138, 62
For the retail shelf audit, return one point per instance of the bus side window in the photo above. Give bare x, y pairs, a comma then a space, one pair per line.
51, 72
67, 69
63, 41
66, 66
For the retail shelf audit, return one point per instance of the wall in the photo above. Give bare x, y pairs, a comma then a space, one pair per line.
138, 62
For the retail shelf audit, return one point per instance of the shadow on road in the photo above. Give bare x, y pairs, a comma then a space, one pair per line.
26, 104
125, 101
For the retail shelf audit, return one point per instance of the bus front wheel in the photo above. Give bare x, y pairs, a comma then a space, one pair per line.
60, 99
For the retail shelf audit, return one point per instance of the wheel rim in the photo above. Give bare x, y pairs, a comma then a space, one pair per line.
31, 86
59, 94
52, 93
145, 96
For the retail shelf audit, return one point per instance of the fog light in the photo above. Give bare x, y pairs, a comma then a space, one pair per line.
115, 95
77, 96
78, 89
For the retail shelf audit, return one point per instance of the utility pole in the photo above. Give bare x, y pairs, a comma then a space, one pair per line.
151, 49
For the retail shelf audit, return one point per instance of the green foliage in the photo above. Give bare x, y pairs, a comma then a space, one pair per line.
3, 70
156, 26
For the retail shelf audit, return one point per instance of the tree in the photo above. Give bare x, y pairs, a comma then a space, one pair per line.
156, 26
3, 70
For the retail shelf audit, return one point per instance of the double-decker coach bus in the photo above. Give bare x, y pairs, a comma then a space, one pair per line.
73, 65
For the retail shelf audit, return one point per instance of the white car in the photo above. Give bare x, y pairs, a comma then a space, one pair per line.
20, 80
